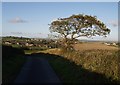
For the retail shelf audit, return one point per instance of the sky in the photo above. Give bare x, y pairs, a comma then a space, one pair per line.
0, 18
60, 0
31, 19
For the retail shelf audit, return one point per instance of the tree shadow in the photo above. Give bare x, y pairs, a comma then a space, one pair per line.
74, 74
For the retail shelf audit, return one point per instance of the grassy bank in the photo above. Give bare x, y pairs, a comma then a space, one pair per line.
11, 68
100, 61
72, 66
12, 62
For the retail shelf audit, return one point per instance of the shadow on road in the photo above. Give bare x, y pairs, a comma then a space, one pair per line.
70, 73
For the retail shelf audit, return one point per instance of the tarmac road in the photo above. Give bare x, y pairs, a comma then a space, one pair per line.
37, 71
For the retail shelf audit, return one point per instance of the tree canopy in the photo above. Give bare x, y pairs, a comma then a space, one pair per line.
79, 25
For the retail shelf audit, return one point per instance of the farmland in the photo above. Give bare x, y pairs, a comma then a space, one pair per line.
89, 61
94, 46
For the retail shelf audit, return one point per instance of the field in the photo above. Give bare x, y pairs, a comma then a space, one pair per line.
93, 46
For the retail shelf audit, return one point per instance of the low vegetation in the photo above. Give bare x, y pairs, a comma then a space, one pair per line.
12, 61
89, 62
104, 62
70, 73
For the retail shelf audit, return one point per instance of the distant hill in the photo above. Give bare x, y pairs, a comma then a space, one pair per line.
13, 37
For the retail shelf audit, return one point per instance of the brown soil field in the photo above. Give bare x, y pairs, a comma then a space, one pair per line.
93, 46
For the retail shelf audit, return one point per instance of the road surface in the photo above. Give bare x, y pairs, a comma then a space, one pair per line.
37, 71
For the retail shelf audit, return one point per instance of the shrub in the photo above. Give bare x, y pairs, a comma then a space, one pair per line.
9, 51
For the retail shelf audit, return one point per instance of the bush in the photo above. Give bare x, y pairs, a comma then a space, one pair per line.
9, 51
13, 60
25, 48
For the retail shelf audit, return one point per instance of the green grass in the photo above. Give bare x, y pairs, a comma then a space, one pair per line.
30, 51
11, 68
34, 50
16, 46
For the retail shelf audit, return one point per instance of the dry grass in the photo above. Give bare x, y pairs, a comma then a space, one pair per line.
93, 46
94, 57
55, 51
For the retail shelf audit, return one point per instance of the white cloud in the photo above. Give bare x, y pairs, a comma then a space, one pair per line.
27, 34
18, 33
17, 20
114, 23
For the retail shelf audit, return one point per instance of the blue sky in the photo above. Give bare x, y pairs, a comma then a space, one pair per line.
31, 19
0, 18
60, 0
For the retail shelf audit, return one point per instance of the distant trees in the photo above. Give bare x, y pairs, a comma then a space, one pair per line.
77, 26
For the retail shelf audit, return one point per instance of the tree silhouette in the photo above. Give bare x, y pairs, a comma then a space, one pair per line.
77, 26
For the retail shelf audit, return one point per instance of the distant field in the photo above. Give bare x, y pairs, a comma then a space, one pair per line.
93, 46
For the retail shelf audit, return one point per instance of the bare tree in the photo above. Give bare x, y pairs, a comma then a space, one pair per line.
77, 26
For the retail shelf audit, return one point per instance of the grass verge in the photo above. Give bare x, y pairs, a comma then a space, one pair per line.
12, 62
11, 68
85, 66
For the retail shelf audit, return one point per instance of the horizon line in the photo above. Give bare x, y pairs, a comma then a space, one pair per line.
53, 38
